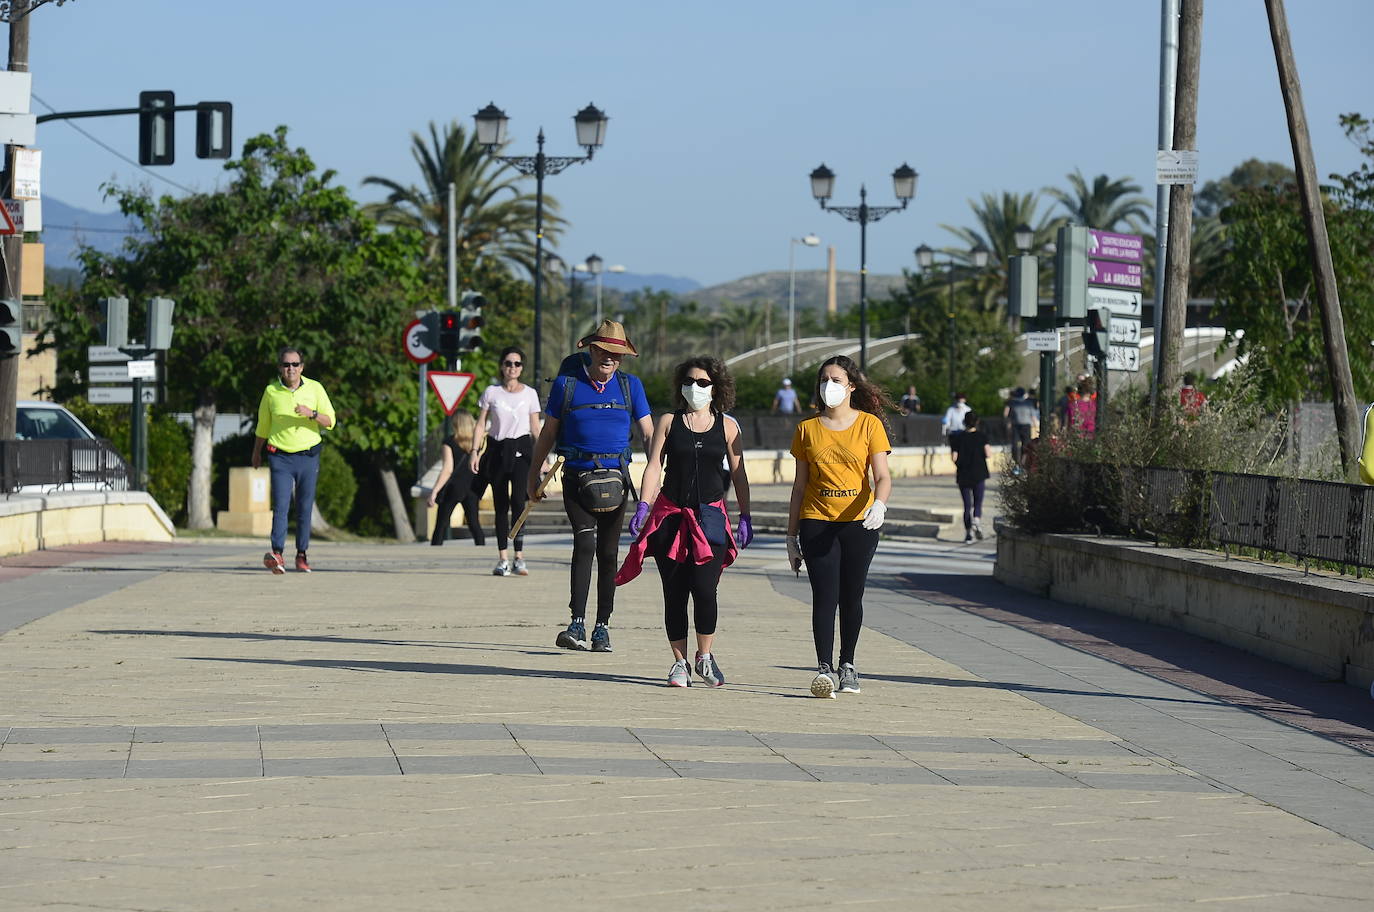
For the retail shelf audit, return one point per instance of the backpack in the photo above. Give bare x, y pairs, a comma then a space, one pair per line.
601, 489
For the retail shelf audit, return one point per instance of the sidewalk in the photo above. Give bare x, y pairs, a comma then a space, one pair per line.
183, 730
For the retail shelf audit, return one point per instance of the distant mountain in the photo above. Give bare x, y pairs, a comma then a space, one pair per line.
811, 289
65, 228
635, 281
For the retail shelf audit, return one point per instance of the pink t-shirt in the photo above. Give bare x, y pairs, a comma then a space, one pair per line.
509, 412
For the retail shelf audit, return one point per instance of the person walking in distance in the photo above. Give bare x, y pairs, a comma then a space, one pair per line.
952, 425
684, 523
454, 485
513, 411
292, 412
591, 414
836, 511
1021, 416
785, 399
911, 402
971, 453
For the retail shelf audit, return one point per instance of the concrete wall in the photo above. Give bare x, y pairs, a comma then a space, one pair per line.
33, 522
1319, 623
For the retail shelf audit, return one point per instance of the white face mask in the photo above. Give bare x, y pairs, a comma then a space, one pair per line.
833, 392
698, 397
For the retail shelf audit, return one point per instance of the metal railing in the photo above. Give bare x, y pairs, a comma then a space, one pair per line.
1303, 518
54, 465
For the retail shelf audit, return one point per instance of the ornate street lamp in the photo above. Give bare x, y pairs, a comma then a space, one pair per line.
1025, 236
925, 259
904, 188
590, 123
809, 240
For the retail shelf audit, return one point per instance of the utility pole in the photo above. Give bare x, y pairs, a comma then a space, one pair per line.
1180, 204
11, 278
1168, 73
1318, 244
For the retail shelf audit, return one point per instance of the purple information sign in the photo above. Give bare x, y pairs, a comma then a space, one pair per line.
1104, 245
1116, 275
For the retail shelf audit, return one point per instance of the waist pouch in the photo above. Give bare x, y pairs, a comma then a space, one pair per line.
600, 490
712, 520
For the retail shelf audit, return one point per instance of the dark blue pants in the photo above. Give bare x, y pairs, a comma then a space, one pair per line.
298, 471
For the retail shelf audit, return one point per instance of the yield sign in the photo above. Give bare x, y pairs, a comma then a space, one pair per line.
450, 387
8, 226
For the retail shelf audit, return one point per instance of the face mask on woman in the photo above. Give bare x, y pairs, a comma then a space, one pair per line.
833, 392
698, 397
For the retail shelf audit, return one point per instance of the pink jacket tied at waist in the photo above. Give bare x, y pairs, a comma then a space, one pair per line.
689, 544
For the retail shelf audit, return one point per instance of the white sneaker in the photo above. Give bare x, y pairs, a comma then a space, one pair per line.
849, 678
824, 684
502, 568
680, 675
519, 568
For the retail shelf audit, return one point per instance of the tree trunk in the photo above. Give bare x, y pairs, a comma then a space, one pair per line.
202, 449
318, 524
404, 530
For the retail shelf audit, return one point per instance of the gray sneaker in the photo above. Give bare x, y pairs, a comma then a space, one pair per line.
849, 679
709, 670
978, 529
680, 675
502, 568
519, 568
824, 684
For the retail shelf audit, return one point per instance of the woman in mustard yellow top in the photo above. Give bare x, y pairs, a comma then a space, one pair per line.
835, 514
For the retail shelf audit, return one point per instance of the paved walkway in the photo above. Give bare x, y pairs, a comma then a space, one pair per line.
182, 730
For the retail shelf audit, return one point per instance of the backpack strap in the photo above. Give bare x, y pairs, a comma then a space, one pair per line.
572, 452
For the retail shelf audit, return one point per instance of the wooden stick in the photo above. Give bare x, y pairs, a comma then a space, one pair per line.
529, 505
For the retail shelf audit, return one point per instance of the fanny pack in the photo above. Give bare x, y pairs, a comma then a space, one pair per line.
713, 525
600, 490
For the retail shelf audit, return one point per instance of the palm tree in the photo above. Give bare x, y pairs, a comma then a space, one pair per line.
1107, 204
997, 221
494, 218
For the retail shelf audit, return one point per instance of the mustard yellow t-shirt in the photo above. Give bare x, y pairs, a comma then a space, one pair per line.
837, 485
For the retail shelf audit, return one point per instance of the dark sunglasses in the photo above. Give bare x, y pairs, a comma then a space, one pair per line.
290, 364
702, 382
511, 363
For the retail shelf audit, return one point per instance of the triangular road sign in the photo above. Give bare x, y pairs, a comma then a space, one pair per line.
450, 387
7, 226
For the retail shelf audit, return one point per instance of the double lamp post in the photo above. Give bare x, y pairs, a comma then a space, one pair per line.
925, 258
491, 124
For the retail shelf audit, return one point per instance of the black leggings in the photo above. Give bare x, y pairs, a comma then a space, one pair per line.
837, 558
681, 580
447, 504
973, 502
595, 535
508, 497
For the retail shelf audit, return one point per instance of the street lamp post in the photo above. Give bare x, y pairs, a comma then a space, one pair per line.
904, 188
925, 258
809, 240
591, 135
594, 266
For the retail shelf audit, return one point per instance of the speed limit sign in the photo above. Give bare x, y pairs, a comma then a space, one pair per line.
416, 340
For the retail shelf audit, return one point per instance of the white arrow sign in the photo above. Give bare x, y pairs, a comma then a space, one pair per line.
450, 387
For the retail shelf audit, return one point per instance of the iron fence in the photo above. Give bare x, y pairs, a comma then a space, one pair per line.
1303, 518
54, 465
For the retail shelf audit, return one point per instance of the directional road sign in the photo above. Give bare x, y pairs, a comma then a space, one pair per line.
1117, 275
104, 354
119, 395
1106, 245
1124, 331
1123, 358
1122, 303
450, 387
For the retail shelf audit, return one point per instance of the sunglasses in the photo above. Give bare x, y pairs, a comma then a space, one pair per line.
290, 364
702, 382
511, 363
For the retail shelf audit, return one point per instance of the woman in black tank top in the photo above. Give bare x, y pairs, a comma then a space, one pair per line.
688, 533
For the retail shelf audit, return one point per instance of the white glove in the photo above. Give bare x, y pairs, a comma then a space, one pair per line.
794, 554
873, 518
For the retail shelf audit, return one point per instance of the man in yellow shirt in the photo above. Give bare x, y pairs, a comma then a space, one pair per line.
1367, 450
291, 414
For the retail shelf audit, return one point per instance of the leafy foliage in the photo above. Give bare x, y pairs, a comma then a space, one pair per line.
1105, 203
169, 449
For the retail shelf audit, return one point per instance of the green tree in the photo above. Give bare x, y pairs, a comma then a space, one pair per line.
280, 256
997, 219
1105, 204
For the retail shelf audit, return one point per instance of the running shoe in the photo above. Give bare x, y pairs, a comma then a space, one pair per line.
519, 568
575, 637
849, 678
968, 537
601, 638
273, 561
709, 670
978, 529
824, 683
502, 568
302, 564
680, 675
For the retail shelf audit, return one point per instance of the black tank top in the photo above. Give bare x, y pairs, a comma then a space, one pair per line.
694, 472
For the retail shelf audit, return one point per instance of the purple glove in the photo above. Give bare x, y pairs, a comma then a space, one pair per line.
638, 520
744, 532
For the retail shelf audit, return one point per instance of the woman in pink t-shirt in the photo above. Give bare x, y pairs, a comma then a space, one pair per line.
512, 408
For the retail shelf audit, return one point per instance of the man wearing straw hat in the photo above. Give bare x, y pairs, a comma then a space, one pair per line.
590, 414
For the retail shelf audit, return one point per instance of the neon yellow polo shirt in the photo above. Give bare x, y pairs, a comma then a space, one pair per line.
278, 422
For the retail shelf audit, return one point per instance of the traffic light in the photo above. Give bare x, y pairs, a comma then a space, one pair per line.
470, 321
449, 334
428, 336
1097, 332
1023, 293
9, 327
156, 128
214, 129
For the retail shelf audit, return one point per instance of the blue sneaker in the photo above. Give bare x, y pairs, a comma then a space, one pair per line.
575, 637
601, 638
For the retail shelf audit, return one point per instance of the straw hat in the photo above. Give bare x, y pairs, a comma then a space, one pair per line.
610, 335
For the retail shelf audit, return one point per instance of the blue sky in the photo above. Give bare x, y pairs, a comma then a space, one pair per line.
719, 111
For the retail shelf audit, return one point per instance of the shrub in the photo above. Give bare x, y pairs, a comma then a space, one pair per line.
336, 488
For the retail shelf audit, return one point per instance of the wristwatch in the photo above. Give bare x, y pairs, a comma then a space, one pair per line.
314, 414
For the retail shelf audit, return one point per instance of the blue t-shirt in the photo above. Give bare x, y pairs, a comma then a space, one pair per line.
596, 430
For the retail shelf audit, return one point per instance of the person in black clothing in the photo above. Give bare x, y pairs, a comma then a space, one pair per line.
971, 452
454, 484
687, 529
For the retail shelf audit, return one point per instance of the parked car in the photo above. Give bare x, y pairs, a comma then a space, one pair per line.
87, 463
